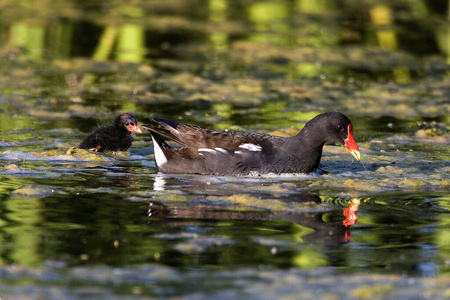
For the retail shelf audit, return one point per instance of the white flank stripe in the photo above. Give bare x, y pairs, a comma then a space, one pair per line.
221, 150
160, 158
250, 147
206, 150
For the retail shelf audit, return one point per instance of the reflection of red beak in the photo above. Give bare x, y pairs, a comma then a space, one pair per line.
350, 144
135, 128
350, 213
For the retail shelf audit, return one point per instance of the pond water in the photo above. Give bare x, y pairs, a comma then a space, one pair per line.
82, 225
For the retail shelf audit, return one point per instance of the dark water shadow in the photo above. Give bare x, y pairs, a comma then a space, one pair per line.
328, 231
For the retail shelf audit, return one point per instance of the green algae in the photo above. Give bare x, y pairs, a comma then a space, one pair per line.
250, 201
390, 169
30, 191
413, 183
371, 291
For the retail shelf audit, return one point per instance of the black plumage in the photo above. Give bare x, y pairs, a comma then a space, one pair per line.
211, 152
117, 136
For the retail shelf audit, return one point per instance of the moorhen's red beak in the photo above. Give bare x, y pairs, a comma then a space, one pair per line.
350, 144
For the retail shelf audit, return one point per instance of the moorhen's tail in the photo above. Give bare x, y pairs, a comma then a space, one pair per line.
162, 150
170, 132
166, 122
157, 136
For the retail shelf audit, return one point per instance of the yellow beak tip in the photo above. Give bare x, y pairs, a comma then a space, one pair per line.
356, 154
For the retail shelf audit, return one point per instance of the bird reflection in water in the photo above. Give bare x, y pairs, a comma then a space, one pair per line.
327, 232
159, 183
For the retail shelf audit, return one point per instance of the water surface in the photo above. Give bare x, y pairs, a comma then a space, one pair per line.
78, 225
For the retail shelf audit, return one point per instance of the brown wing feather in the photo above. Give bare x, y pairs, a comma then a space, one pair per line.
194, 137
162, 132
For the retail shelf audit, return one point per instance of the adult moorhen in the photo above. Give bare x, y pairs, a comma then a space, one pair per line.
211, 152
117, 136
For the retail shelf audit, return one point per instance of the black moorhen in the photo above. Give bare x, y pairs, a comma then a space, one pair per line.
117, 136
211, 152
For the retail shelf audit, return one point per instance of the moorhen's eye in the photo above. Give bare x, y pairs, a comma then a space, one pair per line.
339, 127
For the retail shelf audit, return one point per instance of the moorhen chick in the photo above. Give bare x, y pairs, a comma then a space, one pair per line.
117, 136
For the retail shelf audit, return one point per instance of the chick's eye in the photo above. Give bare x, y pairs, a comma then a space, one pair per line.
339, 127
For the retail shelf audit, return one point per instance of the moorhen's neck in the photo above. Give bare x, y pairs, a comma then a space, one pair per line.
305, 148
310, 137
